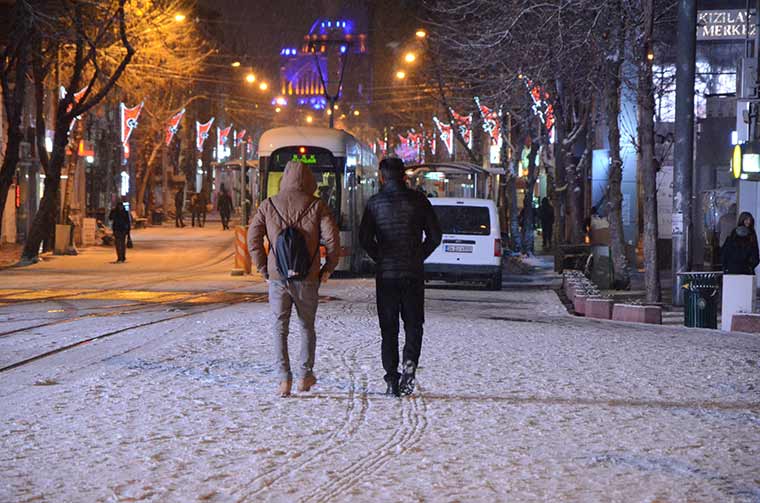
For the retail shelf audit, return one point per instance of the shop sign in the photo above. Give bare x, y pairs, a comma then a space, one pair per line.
724, 24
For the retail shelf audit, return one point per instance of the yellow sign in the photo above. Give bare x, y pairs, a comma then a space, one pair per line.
736, 161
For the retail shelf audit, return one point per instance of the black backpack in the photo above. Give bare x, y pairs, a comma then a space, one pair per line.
290, 249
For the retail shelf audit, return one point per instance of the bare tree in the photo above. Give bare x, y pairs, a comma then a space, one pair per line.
14, 65
84, 30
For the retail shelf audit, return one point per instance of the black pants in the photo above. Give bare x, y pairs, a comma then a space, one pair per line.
405, 297
225, 219
120, 240
547, 235
197, 215
178, 220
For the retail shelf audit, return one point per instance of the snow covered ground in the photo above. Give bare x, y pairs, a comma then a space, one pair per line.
517, 401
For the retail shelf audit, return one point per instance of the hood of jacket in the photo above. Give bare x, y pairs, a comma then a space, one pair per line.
298, 177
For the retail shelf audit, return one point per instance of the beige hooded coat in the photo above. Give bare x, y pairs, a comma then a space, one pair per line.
296, 195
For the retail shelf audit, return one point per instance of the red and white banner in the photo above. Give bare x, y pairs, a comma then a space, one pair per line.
173, 126
446, 135
430, 138
77, 98
221, 142
491, 122
464, 125
201, 133
541, 105
239, 137
129, 118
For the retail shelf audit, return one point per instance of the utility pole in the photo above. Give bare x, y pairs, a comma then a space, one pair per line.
684, 145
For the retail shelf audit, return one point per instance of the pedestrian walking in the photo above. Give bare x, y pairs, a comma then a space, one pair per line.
739, 254
294, 222
120, 225
224, 206
546, 213
179, 203
195, 209
392, 229
203, 206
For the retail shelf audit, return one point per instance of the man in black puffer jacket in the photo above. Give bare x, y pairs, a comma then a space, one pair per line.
392, 234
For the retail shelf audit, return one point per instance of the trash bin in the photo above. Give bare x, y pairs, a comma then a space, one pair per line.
701, 299
158, 217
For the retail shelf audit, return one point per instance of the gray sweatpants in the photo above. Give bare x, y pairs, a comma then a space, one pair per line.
305, 296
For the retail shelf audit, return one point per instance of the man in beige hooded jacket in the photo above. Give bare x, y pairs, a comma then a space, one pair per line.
299, 208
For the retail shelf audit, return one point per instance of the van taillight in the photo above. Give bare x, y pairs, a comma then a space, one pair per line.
497, 247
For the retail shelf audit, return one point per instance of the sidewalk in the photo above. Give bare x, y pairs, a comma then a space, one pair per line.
530, 272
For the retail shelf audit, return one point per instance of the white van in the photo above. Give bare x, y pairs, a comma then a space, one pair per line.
471, 245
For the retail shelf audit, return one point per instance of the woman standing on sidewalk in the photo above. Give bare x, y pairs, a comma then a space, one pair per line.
740, 254
120, 224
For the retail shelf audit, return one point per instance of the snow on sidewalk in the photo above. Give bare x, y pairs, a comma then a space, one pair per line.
507, 409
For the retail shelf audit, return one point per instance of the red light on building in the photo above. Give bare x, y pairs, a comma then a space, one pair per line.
18, 196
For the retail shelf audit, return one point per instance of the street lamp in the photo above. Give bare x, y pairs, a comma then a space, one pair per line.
263, 86
250, 78
309, 119
410, 57
421, 33
401, 75
356, 113
235, 64
179, 17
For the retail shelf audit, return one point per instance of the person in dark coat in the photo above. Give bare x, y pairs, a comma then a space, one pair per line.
739, 254
392, 229
179, 203
547, 222
195, 209
202, 207
119, 218
224, 205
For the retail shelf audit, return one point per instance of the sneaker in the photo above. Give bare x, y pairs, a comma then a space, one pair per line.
406, 385
285, 387
306, 383
392, 389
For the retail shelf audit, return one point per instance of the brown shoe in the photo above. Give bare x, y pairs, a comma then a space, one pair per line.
285, 387
306, 383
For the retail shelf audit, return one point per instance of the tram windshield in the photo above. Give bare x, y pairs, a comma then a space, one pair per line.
323, 164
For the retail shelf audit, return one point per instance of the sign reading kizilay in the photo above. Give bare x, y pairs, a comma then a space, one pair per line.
725, 24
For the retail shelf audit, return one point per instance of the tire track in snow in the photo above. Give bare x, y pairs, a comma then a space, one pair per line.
404, 437
354, 416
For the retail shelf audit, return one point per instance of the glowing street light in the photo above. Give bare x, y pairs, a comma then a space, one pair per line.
421, 33
263, 86
356, 113
309, 119
235, 64
278, 109
410, 57
179, 17
250, 78
401, 75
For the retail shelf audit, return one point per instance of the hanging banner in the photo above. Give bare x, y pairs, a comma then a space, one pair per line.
239, 137
446, 135
464, 124
221, 142
77, 98
491, 122
129, 118
173, 126
430, 139
201, 133
541, 106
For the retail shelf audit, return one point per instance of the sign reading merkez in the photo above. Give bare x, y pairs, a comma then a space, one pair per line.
725, 24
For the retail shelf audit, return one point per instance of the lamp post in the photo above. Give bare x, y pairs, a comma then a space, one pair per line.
344, 47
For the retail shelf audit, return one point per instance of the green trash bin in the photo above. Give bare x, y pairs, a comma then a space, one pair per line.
701, 299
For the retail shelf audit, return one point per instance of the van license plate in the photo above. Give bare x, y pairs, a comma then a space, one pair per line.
457, 249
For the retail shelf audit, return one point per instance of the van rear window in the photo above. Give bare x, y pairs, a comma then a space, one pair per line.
468, 220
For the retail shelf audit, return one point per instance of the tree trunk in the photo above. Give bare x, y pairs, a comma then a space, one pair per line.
514, 225
615, 175
44, 221
13, 102
529, 215
645, 99
147, 174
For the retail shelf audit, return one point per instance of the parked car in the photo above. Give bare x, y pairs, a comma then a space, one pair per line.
471, 245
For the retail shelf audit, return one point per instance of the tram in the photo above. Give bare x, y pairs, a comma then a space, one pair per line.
346, 173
